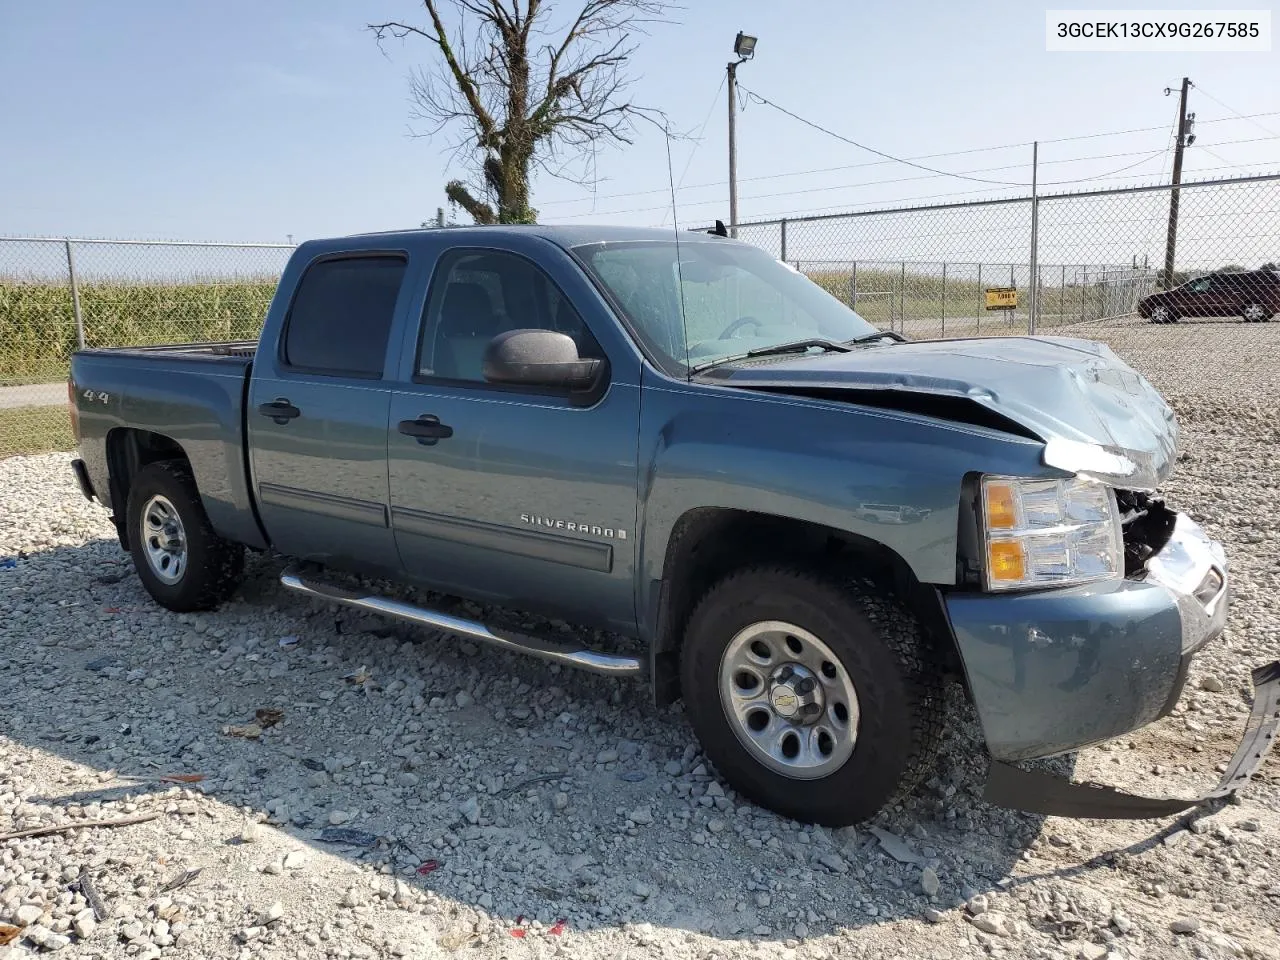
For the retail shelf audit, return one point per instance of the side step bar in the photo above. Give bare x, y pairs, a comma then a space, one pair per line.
302, 580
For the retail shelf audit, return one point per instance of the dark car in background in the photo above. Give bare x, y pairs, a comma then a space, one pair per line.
1252, 295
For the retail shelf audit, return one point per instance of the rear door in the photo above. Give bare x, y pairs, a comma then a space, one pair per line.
525, 496
317, 414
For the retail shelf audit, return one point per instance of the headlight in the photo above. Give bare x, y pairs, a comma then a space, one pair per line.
1049, 532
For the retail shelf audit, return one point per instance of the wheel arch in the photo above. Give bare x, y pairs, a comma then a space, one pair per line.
709, 543
128, 450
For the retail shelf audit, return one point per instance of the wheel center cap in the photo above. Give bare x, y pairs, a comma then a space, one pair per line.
786, 702
795, 693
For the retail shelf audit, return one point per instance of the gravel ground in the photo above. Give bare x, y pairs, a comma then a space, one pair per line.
517, 810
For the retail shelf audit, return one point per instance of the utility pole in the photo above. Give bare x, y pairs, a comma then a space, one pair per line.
744, 48
1171, 238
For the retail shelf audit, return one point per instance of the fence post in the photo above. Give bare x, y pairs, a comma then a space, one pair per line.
853, 287
982, 298
902, 300
1084, 283
1013, 285
1035, 241
784, 240
75, 295
1062, 295
944, 298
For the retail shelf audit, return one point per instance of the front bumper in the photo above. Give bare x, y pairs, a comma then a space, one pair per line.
1056, 670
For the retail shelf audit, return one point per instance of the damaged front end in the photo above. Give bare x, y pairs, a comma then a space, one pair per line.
1057, 670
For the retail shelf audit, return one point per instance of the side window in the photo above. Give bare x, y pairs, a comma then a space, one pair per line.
341, 316
478, 294
1202, 285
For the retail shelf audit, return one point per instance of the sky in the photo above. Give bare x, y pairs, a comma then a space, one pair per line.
246, 120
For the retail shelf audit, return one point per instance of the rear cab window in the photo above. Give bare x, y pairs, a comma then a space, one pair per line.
342, 314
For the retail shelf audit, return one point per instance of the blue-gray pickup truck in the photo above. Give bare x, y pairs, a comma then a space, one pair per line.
810, 525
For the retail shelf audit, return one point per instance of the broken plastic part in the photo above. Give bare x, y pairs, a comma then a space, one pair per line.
1037, 792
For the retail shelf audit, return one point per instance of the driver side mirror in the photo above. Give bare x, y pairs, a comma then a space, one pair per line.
539, 358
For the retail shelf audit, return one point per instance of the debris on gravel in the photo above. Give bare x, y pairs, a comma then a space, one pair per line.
420, 796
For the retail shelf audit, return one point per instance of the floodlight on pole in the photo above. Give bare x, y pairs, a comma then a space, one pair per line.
744, 48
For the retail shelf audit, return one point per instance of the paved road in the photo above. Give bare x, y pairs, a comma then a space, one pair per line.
33, 395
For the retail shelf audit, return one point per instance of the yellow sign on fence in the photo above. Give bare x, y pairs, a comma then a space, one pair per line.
1002, 298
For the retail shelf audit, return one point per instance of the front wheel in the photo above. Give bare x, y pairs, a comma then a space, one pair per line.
813, 697
1162, 314
180, 560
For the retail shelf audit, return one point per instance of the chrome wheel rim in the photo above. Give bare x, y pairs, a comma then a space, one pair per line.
789, 700
1159, 314
164, 541
1253, 312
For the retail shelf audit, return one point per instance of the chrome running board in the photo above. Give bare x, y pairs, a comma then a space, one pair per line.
301, 580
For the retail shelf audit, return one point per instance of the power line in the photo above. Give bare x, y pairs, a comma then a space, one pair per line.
1232, 109
866, 204
930, 156
862, 146
1222, 159
696, 143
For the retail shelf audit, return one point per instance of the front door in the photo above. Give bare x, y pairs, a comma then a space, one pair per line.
519, 496
317, 416
1206, 297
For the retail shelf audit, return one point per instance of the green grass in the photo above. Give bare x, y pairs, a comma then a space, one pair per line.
38, 330
25, 430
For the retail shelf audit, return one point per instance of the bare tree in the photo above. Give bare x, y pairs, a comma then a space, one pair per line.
522, 94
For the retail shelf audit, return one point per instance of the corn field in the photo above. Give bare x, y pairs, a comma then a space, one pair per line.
40, 330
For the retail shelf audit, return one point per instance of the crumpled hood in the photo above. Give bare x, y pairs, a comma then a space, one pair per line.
1076, 395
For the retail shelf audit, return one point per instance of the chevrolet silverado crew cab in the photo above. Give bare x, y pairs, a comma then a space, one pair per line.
809, 525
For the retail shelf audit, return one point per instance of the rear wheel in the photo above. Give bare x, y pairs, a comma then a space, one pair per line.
1254, 312
812, 696
180, 560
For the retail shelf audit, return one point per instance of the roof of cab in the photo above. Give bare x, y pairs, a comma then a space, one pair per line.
564, 236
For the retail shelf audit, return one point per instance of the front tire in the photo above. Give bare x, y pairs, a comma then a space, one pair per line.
183, 564
812, 696
1162, 314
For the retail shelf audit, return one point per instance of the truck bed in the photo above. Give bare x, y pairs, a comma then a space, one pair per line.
191, 393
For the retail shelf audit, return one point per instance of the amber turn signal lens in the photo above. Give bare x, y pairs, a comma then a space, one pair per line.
1002, 513
1006, 561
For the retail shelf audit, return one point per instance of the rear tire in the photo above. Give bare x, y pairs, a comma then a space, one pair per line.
841, 717
1254, 312
180, 560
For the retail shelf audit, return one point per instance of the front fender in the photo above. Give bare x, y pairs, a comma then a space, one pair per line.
893, 478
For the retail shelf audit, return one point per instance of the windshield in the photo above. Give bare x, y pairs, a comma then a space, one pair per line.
736, 298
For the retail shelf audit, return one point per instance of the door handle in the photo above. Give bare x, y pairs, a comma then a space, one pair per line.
280, 410
427, 429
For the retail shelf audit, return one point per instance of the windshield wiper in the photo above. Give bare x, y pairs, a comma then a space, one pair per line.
878, 335
797, 346
791, 346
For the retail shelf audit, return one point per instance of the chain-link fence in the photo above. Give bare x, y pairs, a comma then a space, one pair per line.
57, 295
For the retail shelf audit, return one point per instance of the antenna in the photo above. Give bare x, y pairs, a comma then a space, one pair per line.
675, 227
